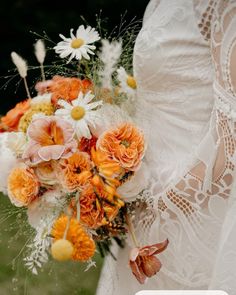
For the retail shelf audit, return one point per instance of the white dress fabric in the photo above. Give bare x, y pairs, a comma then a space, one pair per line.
185, 66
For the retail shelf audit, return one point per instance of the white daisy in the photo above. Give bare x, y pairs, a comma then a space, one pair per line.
127, 82
81, 113
78, 46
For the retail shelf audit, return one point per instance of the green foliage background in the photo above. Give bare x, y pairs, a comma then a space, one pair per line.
56, 277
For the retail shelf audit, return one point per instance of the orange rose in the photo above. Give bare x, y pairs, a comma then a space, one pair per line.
106, 167
95, 209
64, 88
23, 186
74, 171
11, 120
124, 145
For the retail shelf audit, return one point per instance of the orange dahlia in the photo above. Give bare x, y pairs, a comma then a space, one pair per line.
11, 120
95, 210
23, 186
83, 244
74, 171
64, 88
124, 144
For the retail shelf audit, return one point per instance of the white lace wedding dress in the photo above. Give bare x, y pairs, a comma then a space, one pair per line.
185, 66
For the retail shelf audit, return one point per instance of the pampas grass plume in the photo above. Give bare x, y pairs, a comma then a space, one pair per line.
20, 63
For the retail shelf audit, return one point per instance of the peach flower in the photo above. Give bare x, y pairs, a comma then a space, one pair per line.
46, 173
83, 245
23, 186
11, 120
106, 167
64, 88
50, 138
124, 144
74, 172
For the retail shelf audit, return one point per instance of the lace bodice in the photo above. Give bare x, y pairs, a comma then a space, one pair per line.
185, 66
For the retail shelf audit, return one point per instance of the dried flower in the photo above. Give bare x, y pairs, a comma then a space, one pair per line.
143, 262
20, 63
109, 55
40, 51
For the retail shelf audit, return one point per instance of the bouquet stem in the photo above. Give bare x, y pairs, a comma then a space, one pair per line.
131, 230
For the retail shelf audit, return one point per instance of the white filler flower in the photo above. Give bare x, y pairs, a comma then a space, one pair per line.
81, 113
78, 45
127, 83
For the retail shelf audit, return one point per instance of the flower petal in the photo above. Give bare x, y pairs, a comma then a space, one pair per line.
154, 249
150, 266
52, 152
137, 272
133, 254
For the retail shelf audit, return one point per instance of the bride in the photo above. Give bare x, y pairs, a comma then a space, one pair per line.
185, 67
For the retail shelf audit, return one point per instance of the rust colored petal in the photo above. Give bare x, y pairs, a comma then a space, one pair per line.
150, 266
137, 272
154, 249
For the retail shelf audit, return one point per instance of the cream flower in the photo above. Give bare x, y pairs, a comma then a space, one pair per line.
41, 99
8, 160
47, 205
78, 45
139, 181
127, 82
81, 113
16, 142
109, 116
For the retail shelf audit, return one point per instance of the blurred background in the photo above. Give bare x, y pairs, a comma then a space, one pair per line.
18, 19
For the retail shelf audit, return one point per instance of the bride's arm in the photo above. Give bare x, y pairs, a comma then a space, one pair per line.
218, 168
192, 211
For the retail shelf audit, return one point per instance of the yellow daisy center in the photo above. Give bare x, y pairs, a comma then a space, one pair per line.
131, 82
77, 113
77, 43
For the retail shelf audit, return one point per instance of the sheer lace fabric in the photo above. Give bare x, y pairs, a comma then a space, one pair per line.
185, 65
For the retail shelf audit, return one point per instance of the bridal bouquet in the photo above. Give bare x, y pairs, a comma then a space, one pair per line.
69, 154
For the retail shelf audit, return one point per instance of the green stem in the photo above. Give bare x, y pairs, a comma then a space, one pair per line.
131, 230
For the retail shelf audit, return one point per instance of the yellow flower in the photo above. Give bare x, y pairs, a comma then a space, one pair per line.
45, 108
83, 244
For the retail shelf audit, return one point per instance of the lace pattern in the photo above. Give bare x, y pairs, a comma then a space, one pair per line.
186, 74
192, 209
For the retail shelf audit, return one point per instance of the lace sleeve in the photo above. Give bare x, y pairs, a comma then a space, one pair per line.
192, 211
